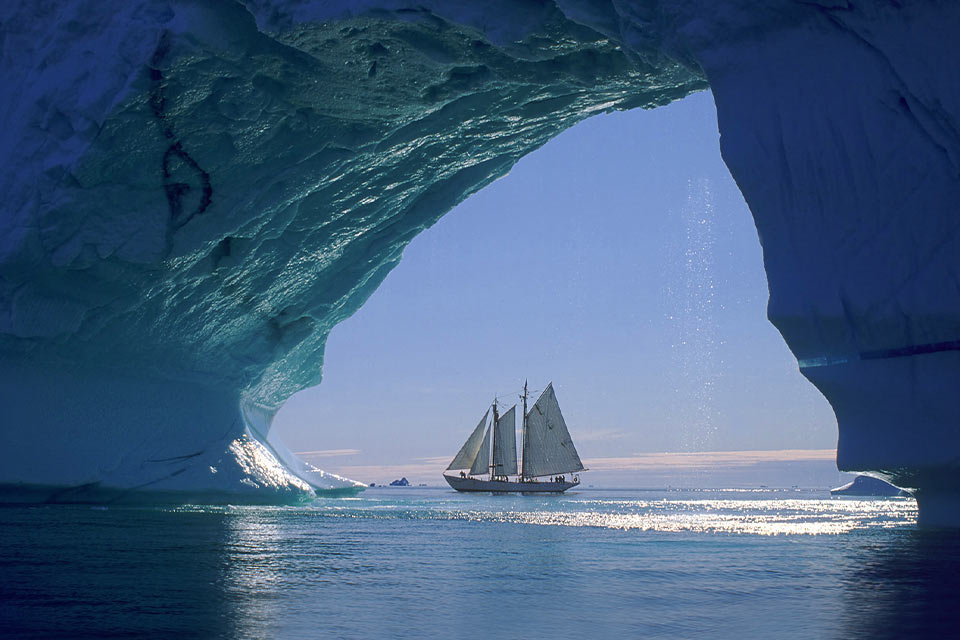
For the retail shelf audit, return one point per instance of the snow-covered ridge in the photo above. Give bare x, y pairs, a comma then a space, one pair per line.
196, 192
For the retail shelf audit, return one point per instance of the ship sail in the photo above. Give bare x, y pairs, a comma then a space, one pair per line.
468, 452
481, 463
505, 444
547, 447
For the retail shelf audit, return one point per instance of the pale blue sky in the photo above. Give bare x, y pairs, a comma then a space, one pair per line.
619, 261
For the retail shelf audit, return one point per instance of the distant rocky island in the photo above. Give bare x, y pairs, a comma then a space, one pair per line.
402, 482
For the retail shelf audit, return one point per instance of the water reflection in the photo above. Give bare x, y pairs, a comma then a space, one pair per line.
252, 573
77, 572
768, 516
752, 517
367, 568
904, 584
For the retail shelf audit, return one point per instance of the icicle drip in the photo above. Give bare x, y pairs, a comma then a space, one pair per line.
692, 308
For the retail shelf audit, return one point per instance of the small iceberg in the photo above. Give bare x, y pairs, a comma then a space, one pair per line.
868, 486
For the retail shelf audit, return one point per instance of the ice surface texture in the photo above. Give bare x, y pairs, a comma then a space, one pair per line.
195, 193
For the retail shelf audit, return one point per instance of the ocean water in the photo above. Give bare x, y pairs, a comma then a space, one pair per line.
431, 563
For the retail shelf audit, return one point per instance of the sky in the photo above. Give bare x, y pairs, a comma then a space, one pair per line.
620, 262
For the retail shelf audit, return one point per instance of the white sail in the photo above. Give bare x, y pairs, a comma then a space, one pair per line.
505, 444
481, 463
468, 452
547, 447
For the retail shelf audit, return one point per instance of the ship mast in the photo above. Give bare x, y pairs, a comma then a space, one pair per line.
523, 435
493, 427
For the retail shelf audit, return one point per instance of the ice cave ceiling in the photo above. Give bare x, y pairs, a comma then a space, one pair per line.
231, 193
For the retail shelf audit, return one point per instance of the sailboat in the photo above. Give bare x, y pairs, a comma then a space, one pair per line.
547, 451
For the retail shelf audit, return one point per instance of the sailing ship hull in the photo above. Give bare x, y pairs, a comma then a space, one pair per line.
506, 486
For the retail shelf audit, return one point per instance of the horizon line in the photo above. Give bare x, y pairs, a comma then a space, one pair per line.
664, 461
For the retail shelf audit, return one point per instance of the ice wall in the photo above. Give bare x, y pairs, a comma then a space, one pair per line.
196, 192
843, 132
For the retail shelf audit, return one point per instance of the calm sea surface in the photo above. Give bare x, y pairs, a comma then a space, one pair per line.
430, 563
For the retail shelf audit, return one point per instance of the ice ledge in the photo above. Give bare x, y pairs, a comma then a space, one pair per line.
84, 435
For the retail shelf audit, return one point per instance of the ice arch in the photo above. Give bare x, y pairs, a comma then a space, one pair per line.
195, 192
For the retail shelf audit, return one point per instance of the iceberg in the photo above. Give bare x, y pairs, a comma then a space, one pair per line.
864, 485
195, 192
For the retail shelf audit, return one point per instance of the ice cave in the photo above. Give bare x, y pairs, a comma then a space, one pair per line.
194, 192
